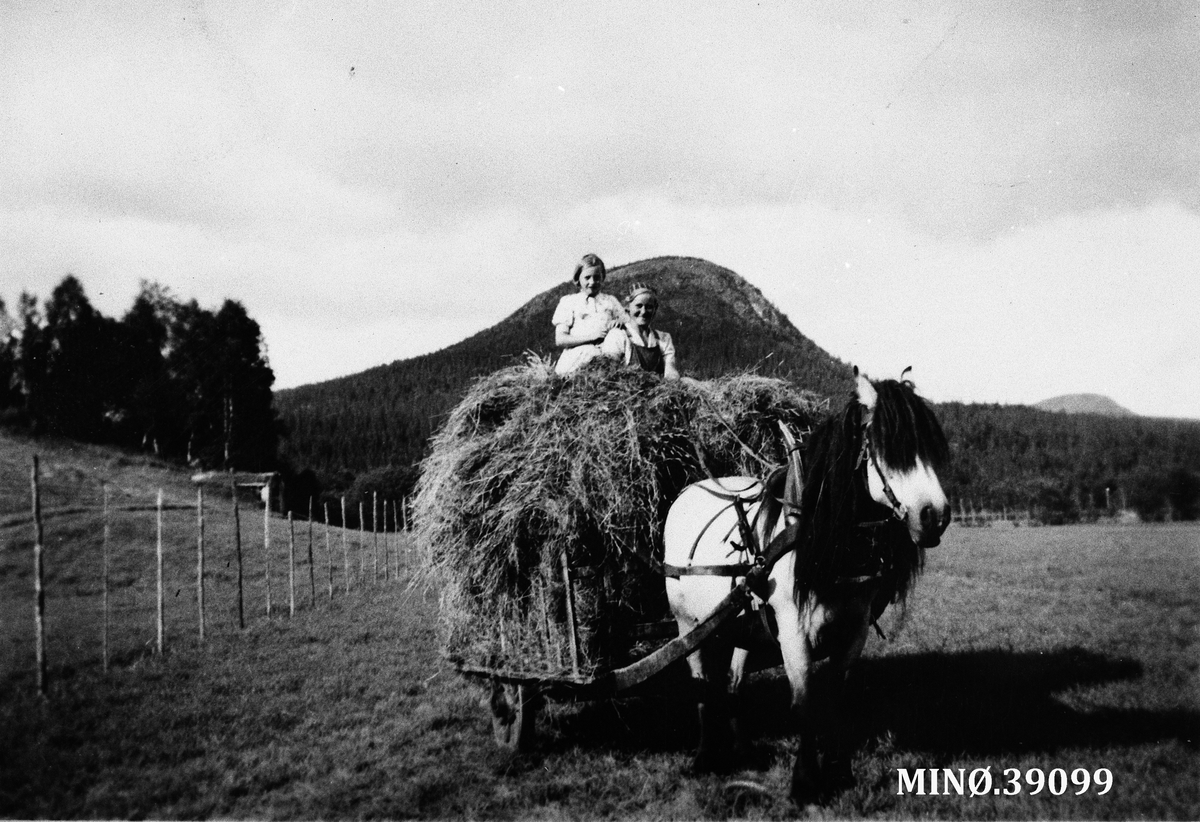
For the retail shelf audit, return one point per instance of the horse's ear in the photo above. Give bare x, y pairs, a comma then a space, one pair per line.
866, 392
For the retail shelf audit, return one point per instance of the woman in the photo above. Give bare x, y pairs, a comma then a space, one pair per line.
638, 343
582, 319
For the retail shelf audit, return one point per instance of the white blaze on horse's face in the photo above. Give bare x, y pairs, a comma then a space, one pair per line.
918, 490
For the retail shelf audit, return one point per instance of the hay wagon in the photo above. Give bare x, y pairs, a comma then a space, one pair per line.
518, 686
541, 506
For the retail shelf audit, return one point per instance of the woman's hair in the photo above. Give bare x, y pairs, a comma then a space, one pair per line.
590, 261
637, 289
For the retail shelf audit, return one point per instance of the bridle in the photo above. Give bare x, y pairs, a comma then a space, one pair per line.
866, 460
876, 532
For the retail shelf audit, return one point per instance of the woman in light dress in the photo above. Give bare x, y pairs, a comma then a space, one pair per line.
582, 320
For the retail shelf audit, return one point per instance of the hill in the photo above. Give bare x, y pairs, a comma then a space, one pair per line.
385, 415
1066, 467
365, 432
1084, 404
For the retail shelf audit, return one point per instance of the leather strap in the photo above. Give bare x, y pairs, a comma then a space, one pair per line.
677, 571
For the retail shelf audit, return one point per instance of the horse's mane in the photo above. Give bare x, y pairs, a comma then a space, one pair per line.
904, 429
835, 503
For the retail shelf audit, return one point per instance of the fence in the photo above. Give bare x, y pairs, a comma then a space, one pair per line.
90, 594
970, 514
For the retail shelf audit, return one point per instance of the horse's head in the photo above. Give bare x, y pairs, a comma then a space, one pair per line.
903, 450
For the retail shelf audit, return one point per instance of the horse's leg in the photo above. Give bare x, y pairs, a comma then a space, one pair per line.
737, 672
797, 655
833, 749
709, 665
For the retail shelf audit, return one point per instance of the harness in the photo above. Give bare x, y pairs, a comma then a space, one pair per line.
749, 541
875, 562
867, 455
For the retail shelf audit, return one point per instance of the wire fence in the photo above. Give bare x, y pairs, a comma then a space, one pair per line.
120, 577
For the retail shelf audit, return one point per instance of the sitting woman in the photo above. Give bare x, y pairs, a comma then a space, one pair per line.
638, 344
582, 319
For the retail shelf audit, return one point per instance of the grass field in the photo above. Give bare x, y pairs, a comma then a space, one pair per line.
1070, 647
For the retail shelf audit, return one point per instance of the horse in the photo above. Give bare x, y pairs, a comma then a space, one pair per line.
846, 530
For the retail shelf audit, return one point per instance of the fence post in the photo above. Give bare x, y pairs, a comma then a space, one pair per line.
375, 535
39, 590
387, 546
291, 566
237, 543
104, 576
200, 557
266, 494
345, 549
159, 556
328, 550
362, 542
404, 511
402, 559
396, 539
312, 572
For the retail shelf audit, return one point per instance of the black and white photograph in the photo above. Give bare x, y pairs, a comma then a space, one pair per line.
599, 410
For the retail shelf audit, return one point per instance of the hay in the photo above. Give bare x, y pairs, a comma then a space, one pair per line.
530, 468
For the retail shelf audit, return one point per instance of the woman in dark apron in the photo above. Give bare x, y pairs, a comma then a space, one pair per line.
638, 344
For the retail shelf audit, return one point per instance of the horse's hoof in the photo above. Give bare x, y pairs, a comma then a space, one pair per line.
838, 775
807, 790
805, 793
807, 787
752, 757
706, 762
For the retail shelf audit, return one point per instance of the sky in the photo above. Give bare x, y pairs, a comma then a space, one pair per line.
1005, 196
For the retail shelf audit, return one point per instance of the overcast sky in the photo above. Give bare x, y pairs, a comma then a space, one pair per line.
1005, 195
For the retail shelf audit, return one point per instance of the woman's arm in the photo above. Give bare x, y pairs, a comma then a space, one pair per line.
667, 346
670, 372
565, 338
616, 345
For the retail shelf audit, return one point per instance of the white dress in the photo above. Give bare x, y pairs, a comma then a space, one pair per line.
588, 316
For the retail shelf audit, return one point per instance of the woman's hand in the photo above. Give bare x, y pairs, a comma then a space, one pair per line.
565, 338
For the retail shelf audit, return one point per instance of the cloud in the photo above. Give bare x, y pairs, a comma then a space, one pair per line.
1002, 195
964, 120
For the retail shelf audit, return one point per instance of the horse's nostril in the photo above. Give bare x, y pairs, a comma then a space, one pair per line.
934, 519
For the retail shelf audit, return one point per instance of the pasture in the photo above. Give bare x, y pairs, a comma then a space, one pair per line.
1026, 648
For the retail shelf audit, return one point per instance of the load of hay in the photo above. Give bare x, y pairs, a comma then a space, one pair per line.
542, 500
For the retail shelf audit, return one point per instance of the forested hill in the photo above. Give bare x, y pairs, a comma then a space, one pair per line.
385, 415
1084, 404
367, 430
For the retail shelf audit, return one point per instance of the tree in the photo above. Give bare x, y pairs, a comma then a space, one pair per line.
1148, 495
1183, 492
250, 427
79, 362
30, 363
218, 361
187, 382
154, 403
10, 397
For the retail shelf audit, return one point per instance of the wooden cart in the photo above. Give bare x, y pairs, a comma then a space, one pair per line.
516, 695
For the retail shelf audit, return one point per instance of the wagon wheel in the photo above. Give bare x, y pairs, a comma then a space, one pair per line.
514, 708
